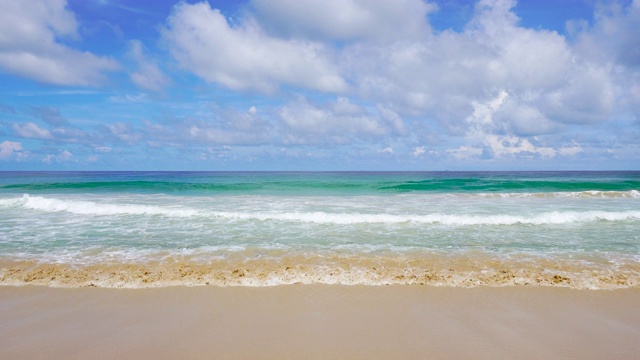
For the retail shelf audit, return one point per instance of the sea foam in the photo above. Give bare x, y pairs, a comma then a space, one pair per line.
93, 208
160, 229
82, 207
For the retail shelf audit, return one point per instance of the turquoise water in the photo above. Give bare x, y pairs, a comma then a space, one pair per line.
325, 183
351, 228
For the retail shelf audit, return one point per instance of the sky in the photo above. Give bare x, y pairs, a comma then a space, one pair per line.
396, 85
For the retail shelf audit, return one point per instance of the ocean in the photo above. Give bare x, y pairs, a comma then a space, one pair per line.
154, 229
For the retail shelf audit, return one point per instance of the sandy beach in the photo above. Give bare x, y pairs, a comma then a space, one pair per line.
318, 321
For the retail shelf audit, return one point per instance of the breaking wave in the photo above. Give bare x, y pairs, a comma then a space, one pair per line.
90, 208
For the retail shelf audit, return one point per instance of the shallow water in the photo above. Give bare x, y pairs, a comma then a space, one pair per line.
462, 229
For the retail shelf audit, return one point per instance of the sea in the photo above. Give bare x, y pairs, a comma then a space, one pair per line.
465, 229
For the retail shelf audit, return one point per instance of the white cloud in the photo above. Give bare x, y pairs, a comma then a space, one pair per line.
417, 80
588, 97
65, 155
444, 73
217, 126
343, 107
487, 134
523, 119
9, 149
243, 56
513, 145
339, 122
393, 119
610, 46
62, 156
570, 150
613, 36
103, 149
122, 132
418, 151
465, 152
364, 74
29, 44
345, 19
130, 98
72, 135
148, 76
60, 134
210, 134
440, 76
31, 131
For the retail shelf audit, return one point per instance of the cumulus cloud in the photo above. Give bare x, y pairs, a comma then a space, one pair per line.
216, 126
204, 133
66, 133
103, 149
130, 98
489, 139
361, 74
418, 151
412, 72
612, 43
345, 19
337, 122
613, 35
61, 156
31, 131
30, 46
148, 76
442, 75
243, 56
72, 135
121, 132
9, 149
465, 152
298, 122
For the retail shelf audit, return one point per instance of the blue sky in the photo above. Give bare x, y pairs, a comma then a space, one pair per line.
319, 85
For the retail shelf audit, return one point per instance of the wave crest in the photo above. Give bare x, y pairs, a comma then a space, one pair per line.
90, 208
93, 208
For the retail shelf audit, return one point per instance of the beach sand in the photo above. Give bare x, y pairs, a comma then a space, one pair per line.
319, 322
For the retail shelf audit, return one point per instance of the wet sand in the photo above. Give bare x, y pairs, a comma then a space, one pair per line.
319, 322
283, 267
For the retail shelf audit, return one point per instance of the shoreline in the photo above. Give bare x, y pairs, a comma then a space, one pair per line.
318, 321
291, 269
